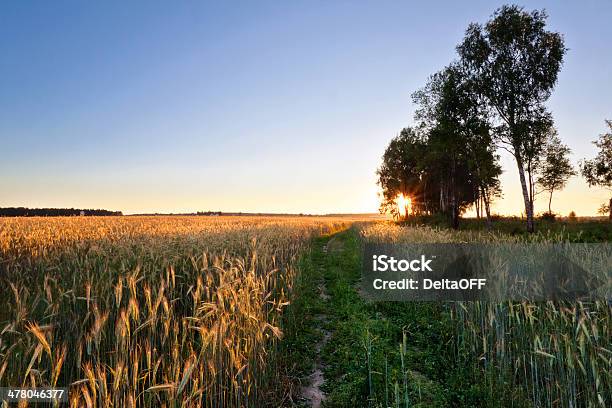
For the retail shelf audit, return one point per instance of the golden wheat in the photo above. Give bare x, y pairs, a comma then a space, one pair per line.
148, 311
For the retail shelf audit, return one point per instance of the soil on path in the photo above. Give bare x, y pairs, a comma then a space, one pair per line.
312, 392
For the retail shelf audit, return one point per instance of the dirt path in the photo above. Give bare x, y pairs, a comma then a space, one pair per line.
312, 393
360, 353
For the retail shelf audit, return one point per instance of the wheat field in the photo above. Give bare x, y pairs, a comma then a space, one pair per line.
188, 311
148, 311
551, 354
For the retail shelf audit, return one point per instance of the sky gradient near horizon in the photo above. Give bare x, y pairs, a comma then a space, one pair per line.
251, 106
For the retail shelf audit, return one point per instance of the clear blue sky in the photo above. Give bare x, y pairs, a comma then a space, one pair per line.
253, 106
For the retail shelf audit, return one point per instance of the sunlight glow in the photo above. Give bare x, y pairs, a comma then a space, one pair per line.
404, 205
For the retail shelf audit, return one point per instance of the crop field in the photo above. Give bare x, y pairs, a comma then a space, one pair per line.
144, 311
236, 311
524, 353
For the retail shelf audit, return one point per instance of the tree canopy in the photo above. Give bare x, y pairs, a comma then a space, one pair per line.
447, 162
514, 62
598, 171
402, 171
492, 97
555, 168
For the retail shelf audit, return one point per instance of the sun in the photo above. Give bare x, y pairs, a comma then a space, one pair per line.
404, 205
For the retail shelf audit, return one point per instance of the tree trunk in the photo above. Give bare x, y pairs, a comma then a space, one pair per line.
455, 218
453, 193
531, 191
485, 198
550, 202
526, 196
610, 210
454, 211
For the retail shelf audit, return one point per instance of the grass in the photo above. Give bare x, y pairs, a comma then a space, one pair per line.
452, 354
363, 358
296, 349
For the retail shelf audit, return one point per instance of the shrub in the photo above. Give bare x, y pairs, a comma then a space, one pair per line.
548, 216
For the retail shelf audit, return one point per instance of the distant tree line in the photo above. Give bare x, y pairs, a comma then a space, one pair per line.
52, 212
491, 97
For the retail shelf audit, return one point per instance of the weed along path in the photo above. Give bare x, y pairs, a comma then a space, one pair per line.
356, 353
